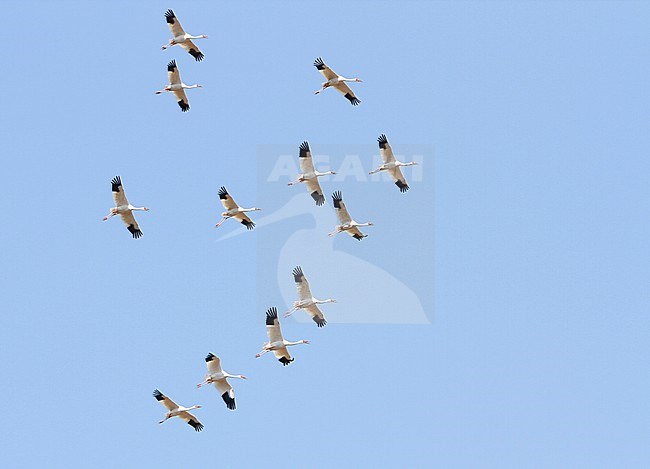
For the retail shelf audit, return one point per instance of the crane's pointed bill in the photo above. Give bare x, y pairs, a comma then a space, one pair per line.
353, 100
318, 198
134, 231
285, 361
230, 401
198, 426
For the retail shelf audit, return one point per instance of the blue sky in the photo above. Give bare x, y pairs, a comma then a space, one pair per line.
525, 241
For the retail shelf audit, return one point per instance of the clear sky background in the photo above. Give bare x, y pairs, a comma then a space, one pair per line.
526, 239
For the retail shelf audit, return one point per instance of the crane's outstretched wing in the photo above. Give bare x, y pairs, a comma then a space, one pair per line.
385, 150
304, 158
316, 315
355, 233
227, 393
129, 220
173, 24
345, 90
181, 99
302, 285
273, 331
341, 211
307, 167
118, 192
327, 72
172, 73
213, 363
226, 199
191, 420
244, 220
164, 400
194, 51
398, 178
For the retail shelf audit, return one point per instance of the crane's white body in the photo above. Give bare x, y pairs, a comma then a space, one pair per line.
175, 410
391, 164
309, 175
277, 344
347, 224
124, 209
177, 87
234, 211
181, 38
336, 81
306, 300
219, 378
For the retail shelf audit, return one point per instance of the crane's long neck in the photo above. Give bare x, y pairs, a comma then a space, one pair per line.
287, 343
189, 87
326, 173
228, 375
328, 300
410, 163
144, 209
252, 209
363, 224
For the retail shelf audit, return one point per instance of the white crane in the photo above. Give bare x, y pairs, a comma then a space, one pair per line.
276, 343
181, 38
123, 208
306, 301
177, 87
309, 176
175, 410
219, 378
337, 81
391, 164
348, 225
234, 211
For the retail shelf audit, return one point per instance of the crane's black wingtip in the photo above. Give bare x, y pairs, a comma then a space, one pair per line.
198, 55
297, 273
158, 395
285, 361
304, 147
198, 426
116, 182
272, 313
403, 187
318, 198
319, 64
134, 231
248, 224
171, 65
184, 106
210, 356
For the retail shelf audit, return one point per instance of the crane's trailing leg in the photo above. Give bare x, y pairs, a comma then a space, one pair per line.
221, 221
375, 171
297, 181
335, 232
163, 420
112, 214
258, 355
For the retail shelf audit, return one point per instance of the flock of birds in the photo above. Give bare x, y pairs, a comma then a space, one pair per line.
309, 176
